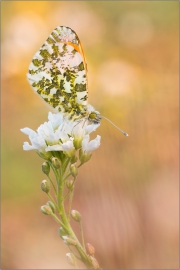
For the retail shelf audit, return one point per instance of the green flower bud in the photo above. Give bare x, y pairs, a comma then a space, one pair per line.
74, 159
90, 249
55, 163
45, 209
76, 215
61, 232
51, 204
74, 170
71, 259
45, 186
69, 240
46, 168
94, 263
69, 183
44, 155
84, 157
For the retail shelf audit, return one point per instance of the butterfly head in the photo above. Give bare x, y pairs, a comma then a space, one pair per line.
93, 115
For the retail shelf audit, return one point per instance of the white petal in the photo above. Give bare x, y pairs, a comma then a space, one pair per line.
56, 147
78, 129
85, 142
61, 134
92, 145
45, 129
27, 146
29, 132
56, 119
39, 143
67, 146
91, 128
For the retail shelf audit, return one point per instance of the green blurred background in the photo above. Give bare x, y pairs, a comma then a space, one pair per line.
128, 192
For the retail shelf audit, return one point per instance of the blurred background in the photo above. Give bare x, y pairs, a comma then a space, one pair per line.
128, 192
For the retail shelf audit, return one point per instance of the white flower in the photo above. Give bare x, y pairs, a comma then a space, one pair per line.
67, 148
29, 132
80, 129
61, 134
37, 141
56, 119
89, 146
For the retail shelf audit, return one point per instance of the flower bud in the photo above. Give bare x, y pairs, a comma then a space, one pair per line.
52, 206
69, 183
71, 259
55, 163
45, 186
46, 168
74, 170
94, 263
74, 159
76, 215
84, 157
69, 240
61, 232
45, 209
90, 249
44, 155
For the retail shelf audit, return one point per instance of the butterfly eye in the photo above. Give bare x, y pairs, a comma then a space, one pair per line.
92, 115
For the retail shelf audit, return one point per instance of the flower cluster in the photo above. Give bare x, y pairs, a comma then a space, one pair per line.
58, 141
61, 134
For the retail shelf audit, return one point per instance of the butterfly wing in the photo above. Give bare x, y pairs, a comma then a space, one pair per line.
58, 73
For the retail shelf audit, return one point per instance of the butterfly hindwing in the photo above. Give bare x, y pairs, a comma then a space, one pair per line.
58, 73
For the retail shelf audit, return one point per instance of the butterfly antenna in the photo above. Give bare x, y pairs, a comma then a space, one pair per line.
125, 134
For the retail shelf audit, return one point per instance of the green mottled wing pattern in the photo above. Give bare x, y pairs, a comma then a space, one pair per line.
58, 73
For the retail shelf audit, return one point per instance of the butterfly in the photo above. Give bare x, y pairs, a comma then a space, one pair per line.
58, 73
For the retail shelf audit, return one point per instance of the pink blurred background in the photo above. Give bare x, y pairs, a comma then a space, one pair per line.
128, 193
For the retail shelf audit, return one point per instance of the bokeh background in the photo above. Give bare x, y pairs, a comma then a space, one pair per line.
128, 192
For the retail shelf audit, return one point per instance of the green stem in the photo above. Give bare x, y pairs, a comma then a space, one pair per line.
71, 198
61, 175
74, 253
54, 170
70, 189
58, 221
64, 167
60, 188
66, 225
80, 165
66, 177
70, 202
51, 198
82, 235
52, 184
65, 196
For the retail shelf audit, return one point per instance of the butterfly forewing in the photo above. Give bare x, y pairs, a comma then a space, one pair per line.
58, 73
